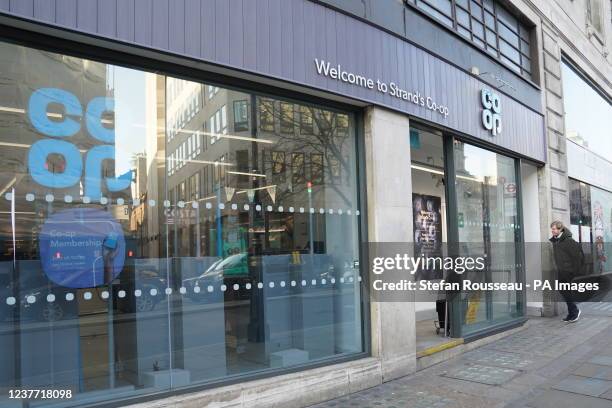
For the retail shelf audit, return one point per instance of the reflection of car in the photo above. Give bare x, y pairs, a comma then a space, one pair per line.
147, 280
37, 299
271, 270
229, 271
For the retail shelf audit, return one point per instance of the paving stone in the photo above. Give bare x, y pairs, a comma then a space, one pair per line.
583, 385
561, 399
601, 360
595, 371
499, 358
482, 374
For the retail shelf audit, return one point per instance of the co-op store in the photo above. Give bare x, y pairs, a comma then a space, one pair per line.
184, 201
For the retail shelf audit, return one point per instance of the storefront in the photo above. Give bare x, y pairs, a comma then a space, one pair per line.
181, 212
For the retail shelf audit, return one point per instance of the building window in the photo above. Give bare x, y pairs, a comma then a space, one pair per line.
306, 123
595, 17
266, 115
212, 91
241, 116
225, 255
218, 124
587, 112
316, 168
286, 118
298, 168
278, 166
487, 24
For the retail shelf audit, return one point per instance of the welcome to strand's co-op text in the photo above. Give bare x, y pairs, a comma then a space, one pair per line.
336, 72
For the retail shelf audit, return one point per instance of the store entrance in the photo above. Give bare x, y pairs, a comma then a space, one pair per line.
429, 206
465, 202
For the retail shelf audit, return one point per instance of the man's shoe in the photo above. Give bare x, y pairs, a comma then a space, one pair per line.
567, 318
575, 318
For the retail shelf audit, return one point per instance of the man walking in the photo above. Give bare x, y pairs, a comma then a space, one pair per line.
569, 258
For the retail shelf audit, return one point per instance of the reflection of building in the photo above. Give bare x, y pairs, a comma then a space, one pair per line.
259, 178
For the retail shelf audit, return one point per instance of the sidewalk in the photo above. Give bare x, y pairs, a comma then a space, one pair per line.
549, 364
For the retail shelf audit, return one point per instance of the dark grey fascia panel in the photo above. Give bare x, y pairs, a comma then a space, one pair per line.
405, 21
281, 39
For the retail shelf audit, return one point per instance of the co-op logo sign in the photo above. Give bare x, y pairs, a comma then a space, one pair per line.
61, 131
491, 111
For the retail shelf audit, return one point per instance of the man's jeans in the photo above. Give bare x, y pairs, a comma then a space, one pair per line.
572, 309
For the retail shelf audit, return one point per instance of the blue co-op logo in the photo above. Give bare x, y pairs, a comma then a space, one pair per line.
62, 130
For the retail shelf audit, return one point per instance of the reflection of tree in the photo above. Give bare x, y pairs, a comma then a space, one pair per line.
311, 131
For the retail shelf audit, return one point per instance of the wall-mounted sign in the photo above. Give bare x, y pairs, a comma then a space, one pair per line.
491, 111
389, 88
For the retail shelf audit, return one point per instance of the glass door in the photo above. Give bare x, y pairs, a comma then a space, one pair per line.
487, 223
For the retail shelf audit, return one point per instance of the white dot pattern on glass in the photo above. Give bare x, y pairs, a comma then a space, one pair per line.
291, 209
312, 210
86, 200
280, 209
269, 208
68, 198
120, 201
49, 198
30, 197
246, 207
181, 204
258, 207
221, 206
194, 204
301, 209
152, 203
166, 203
208, 206
136, 202
234, 206
197, 289
103, 200
10, 301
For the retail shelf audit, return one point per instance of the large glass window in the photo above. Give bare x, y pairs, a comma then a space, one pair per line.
487, 215
588, 115
591, 224
505, 38
147, 245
